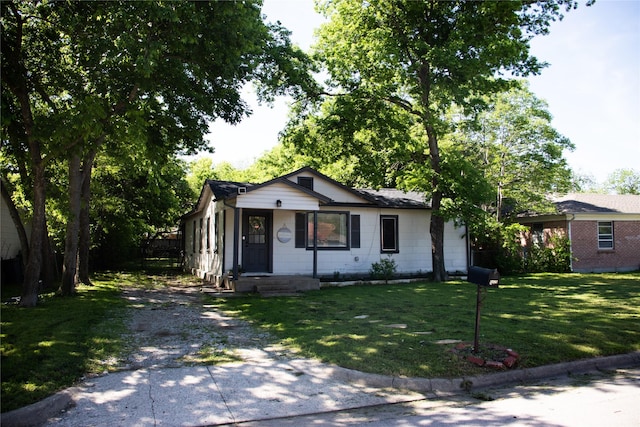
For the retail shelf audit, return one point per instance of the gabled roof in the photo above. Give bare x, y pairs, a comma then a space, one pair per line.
597, 203
284, 180
384, 197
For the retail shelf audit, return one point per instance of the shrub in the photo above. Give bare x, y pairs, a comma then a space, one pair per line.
385, 269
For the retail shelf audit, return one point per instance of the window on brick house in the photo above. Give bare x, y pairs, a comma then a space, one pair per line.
537, 234
605, 235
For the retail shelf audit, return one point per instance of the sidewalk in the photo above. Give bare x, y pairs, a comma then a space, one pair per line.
259, 389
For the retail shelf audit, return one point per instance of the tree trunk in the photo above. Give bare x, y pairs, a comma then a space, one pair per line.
69, 269
49, 273
84, 245
436, 227
30, 285
17, 221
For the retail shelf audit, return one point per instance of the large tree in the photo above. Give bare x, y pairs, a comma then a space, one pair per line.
623, 181
82, 75
520, 153
391, 58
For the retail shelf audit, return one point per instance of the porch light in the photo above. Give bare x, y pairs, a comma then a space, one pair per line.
279, 203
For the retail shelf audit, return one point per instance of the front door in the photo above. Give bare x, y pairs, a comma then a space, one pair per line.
256, 241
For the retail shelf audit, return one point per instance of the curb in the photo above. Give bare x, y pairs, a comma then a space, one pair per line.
39, 412
460, 385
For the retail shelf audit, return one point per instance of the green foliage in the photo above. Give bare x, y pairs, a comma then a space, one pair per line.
624, 181
555, 257
199, 171
512, 258
134, 197
396, 68
385, 269
129, 78
519, 151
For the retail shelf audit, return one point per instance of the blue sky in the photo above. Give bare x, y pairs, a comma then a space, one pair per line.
592, 86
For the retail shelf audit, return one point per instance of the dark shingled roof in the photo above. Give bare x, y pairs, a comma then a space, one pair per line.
597, 203
385, 197
225, 189
394, 198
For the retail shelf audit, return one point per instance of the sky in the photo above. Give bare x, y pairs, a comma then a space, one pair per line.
592, 87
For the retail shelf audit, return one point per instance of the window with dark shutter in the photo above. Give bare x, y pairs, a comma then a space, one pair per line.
301, 227
355, 231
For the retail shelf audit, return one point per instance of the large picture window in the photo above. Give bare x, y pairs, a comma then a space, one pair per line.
333, 230
605, 235
389, 234
336, 230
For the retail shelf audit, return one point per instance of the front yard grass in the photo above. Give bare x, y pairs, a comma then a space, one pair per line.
49, 347
387, 329
402, 329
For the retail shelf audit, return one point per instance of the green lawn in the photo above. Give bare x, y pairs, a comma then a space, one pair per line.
547, 318
49, 347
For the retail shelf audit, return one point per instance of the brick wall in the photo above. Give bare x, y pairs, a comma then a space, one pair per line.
625, 254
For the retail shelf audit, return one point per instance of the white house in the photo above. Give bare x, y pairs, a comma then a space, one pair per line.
307, 224
10, 247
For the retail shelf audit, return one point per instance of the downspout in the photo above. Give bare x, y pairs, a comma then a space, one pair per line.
468, 246
315, 244
573, 216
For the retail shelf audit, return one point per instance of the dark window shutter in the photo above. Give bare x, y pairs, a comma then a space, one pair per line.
300, 230
355, 231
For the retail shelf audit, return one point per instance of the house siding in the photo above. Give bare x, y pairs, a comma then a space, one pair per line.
414, 254
265, 198
624, 256
414, 246
10, 240
414, 240
328, 189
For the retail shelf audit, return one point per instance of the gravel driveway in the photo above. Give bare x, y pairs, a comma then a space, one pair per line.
173, 326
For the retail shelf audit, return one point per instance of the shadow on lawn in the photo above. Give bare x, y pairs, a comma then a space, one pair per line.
395, 329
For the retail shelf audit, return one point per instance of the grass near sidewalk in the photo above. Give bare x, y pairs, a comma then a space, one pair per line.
395, 329
547, 318
51, 346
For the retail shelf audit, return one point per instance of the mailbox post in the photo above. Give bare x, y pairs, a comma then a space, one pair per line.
483, 278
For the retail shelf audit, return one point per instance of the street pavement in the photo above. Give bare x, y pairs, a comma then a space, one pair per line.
265, 392
599, 399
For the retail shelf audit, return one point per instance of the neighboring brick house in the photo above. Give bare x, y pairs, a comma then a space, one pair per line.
603, 229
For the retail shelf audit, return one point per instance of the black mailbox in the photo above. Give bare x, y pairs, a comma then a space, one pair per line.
483, 276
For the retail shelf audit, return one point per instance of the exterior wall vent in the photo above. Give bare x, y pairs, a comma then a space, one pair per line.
242, 190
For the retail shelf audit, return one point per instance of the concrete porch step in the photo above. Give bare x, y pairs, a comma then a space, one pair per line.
273, 285
277, 290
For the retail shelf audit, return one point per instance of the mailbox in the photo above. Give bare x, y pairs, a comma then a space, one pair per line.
483, 276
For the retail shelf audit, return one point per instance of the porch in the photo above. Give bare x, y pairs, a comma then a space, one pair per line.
265, 284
